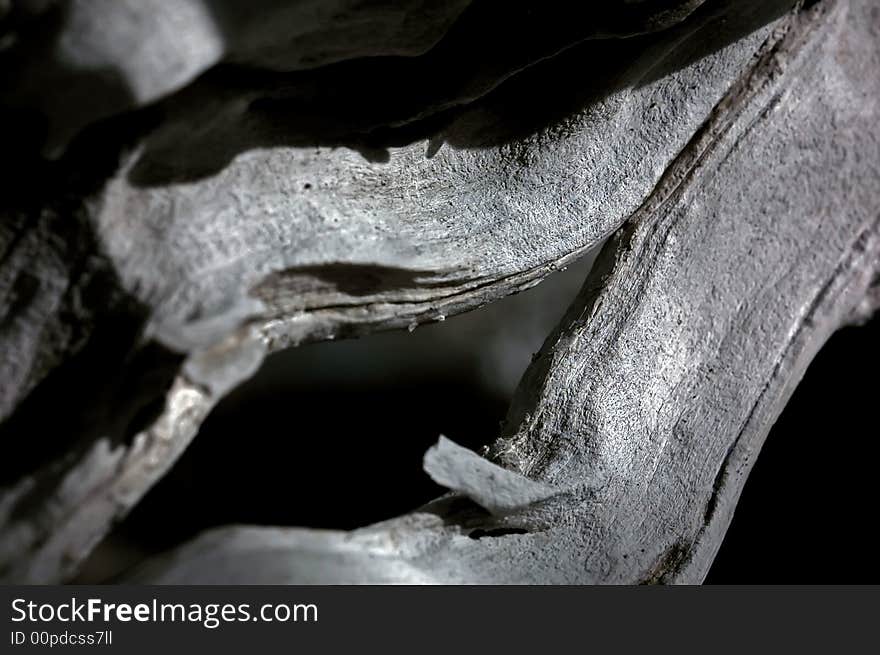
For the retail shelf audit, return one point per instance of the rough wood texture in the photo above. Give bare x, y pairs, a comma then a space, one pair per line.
647, 407
169, 247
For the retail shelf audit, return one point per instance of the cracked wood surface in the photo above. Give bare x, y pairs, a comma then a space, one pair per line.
219, 252
649, 404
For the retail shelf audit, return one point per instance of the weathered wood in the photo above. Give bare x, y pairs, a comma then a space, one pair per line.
147, 269
648, 405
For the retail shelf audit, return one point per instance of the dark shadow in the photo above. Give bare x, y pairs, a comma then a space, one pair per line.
804, 516
96, 378
339, 454
350, 279
466, 92
332, 434
63, 129
45, 100
100, 378
79, 333
455, 94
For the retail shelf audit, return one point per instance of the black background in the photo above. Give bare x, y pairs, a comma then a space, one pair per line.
347, 453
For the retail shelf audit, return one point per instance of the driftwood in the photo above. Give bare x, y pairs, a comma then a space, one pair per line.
732, 156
